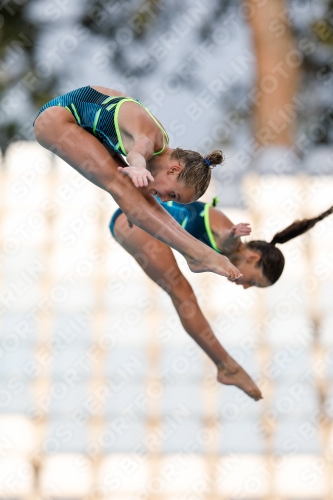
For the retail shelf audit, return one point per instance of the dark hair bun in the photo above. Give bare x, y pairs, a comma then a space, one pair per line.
216, 157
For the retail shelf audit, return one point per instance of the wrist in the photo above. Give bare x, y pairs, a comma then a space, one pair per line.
136, 160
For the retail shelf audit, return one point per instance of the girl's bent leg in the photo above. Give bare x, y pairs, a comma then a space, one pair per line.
56, 129
159, 263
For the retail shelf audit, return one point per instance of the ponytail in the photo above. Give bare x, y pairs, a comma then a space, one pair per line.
272, 260
299, 227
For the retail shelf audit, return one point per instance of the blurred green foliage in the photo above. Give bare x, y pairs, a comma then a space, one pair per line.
22, 36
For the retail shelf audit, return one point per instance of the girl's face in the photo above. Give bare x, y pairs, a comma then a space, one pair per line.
252, 275
168, 188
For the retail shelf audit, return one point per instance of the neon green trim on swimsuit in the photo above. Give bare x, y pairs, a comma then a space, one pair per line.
128, 99
111, 106
96, 120
108, 99
161, 150
120, 140
208, 228
76, 113
184, 222
165, 135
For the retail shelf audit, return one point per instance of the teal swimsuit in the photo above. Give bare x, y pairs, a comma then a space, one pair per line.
98, 114
194, 218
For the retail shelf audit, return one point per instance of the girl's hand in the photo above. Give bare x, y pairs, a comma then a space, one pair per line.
242, 229
138, 175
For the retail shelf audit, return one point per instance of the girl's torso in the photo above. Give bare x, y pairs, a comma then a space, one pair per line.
195, 218
202, 220
134, 120
115, 119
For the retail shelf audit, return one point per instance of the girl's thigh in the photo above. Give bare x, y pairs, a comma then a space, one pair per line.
155, 257
56, 130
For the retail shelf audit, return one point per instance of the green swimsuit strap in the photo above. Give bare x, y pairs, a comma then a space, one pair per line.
165, 135
129, 99
207, 224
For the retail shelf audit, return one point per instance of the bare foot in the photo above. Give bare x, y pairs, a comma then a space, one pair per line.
216, 263
231, 373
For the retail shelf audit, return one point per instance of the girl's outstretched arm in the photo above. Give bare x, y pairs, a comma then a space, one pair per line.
227, 235
162, 268
230, 240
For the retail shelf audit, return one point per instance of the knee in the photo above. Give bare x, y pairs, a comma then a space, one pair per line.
182, 292
184, 301
122, 229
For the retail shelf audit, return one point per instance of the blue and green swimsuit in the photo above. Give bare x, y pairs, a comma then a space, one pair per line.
194, 218
98, 114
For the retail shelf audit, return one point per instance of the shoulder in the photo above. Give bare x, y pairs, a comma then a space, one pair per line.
218, 220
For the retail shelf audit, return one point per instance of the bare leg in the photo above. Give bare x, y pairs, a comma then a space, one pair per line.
160, 265
57, 130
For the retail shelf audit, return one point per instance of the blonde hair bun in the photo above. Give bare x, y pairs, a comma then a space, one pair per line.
216, 157
197, 170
